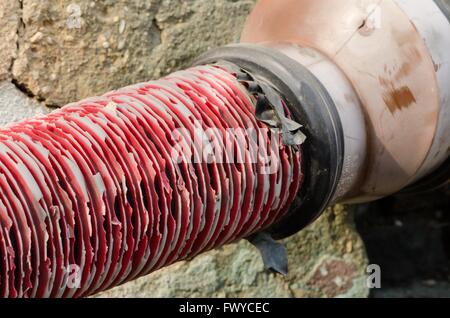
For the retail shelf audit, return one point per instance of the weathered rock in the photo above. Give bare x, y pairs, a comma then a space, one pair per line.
73, 49
321, 265
9, 24
15, 105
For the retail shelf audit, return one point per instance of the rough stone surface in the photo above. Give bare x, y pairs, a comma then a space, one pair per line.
62, 51
9, 24
15, 105
325, 260
71, 49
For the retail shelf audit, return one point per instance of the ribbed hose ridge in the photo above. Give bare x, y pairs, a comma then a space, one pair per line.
112, 188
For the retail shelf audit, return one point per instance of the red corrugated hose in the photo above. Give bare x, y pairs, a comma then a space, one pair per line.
112, 188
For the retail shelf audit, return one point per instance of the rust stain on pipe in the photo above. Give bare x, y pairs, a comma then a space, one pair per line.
397, 99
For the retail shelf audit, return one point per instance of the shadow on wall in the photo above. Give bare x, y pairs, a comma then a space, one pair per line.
409, 237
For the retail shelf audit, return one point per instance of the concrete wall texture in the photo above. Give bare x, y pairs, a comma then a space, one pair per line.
55, 52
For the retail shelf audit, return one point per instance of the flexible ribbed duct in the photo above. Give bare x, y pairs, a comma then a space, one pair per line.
112, 188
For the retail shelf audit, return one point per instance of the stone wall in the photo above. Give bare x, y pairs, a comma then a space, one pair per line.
56, 52
325, 260
65, 50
